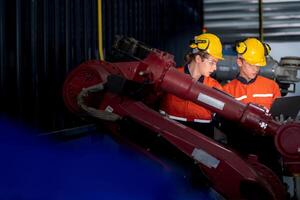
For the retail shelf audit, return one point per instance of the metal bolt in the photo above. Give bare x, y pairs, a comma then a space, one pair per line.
141, 73
263, 125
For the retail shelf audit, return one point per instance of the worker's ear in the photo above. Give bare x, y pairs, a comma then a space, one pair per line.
198, 59
239, 62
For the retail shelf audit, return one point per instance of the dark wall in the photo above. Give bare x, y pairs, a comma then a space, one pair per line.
41, 41
168, 25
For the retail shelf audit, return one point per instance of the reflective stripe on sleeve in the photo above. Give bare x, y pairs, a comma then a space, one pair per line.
262, 95
177, 118
183, 118
241, 97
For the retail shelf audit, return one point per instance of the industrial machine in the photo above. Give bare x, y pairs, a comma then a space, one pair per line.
129, 89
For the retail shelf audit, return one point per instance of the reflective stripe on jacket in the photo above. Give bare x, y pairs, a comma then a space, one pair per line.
183, 110
261, 91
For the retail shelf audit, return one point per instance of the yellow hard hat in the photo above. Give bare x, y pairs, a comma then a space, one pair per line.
208, 42
253, 51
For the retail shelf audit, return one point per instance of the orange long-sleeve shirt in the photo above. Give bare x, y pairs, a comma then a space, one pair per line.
261, 90
184, 110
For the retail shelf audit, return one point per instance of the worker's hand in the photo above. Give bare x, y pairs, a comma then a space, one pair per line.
281, 119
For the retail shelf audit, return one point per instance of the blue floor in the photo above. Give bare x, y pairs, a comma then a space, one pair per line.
35, 168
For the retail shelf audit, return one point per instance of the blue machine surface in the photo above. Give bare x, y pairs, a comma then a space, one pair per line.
91, 167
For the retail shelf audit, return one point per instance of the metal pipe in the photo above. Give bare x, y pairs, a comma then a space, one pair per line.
100, 36
261, 28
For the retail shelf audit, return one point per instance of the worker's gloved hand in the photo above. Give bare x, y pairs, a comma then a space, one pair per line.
281, 119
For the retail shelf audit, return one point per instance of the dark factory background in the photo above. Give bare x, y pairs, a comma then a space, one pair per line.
41, 41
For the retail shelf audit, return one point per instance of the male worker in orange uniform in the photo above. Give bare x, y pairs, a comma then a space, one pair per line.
249, 86
201, 62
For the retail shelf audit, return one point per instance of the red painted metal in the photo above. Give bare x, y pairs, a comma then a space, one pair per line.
226, 170
86, 75
287, 140
230, 167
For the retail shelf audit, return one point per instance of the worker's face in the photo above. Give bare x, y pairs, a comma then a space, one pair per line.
207, 65
247, 70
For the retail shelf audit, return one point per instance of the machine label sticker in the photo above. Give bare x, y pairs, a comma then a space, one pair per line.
109, 109
205, 158
211, 101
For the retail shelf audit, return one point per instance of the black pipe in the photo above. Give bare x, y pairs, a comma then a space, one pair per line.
261, 29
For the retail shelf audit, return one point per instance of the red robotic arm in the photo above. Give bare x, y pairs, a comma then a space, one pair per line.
127, 88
